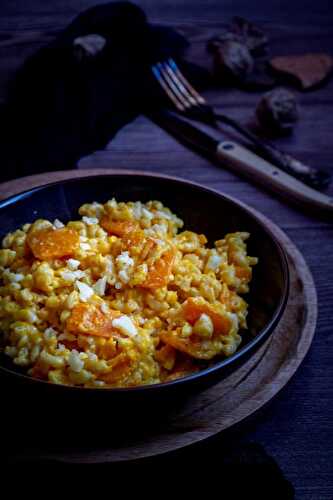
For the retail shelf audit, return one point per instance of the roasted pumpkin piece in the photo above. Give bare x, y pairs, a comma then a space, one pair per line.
39, 370
185, 365
119, 228
148, 247
159, 272
166, 356
243, 273
120, 367
90, 320
49, 244
192, 346
194, 307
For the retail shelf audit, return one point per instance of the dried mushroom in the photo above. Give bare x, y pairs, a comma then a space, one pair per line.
251, 35
232, 62
243, 32
236, 52
277, 111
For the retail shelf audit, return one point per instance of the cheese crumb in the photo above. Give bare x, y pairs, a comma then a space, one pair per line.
100, 286
204, 326
137, 210
75, 362
214, 261
163, 215
58, 224
89, 220
72, 275
73, 264
85, 291
125, 325
123, 276
105, 308
147, 214
84, 246
16, 277
124, 259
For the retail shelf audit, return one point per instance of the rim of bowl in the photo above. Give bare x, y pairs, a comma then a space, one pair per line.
206, 371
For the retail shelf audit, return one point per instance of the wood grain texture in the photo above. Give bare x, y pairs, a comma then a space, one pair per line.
230, 401
296, 427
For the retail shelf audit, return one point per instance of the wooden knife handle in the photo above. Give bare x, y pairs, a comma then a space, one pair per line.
245, 162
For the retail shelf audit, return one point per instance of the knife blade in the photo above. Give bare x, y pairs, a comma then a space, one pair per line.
243, 161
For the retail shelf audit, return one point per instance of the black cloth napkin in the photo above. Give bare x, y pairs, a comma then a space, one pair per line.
64, 103
209, 470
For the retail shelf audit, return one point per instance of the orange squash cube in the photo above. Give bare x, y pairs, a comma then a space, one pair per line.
49, 244
193, 308
119, 228
159, 273
90, 320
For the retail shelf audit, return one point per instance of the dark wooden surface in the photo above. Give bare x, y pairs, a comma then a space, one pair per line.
296, 428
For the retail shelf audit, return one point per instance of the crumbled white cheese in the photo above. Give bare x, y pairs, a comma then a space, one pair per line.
163, 215
73, 264
112, 203
97, 208
118, 285
147, 214
75, 362
61, 348
99, 383
16, 277
125, 325
123, 276
214, 261
234, 319
108, 264
100, 286
105, 308
137, 210
85, 291
58, 224
89, 220
84, 246
124, 259
204, 326
72, 275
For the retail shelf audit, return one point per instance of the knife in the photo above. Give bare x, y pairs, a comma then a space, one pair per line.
241, 160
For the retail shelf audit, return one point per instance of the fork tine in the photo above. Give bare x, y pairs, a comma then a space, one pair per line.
185, 93
157, 73
173, 85
185, 82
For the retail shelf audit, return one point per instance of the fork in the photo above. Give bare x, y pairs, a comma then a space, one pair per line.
190, 103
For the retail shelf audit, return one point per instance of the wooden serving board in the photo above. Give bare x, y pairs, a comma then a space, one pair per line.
235, 398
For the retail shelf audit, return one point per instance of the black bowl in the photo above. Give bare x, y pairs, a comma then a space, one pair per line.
203, 210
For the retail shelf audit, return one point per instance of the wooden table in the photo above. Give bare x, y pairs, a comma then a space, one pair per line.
296, 428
